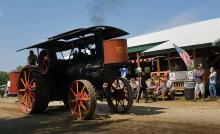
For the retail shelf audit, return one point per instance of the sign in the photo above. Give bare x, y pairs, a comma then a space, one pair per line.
172, 76
181, 75
190, 75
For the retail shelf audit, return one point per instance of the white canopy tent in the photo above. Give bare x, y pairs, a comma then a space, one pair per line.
205, 33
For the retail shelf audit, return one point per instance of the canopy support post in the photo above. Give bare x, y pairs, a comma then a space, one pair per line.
169, 65
158, 64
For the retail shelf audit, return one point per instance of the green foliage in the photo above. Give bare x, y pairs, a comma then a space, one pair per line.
19, 68
3, 78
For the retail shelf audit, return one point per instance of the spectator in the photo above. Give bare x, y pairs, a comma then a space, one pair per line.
170, 87
151, 87
32, 58
138, 88
133, 86
161, 89
123, 72
212, 83
141, 86
133, 83
198, 74
151, 84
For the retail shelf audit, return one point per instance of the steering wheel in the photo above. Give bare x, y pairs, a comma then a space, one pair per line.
43, 62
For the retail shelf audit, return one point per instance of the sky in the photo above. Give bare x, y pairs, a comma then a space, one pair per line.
27, 22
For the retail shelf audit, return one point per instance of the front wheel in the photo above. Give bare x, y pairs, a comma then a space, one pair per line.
120, 97
82, 99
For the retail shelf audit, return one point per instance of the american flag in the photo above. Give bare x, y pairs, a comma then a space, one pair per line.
184, 55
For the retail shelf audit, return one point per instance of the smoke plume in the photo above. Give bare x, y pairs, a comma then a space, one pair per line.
98, 10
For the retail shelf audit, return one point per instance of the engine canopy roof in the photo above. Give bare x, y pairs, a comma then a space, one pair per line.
78, 37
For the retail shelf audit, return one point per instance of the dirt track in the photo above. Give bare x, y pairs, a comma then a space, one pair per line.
169, 117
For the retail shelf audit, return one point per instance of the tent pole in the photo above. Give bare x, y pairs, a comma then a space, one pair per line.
168, 56
138, 59
158, 64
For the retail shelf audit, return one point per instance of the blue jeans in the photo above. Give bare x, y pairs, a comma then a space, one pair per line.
212, 89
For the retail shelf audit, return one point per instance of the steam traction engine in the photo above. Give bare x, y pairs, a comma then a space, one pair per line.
89, 73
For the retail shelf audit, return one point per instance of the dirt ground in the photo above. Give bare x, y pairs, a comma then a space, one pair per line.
168, 117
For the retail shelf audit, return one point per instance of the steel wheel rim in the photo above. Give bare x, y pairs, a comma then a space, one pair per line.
26, 90
79, 100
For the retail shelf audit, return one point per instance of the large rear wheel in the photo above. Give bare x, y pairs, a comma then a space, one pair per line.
33, 91
120, 95
26, 90
82, 99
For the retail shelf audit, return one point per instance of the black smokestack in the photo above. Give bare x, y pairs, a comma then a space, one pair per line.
98, 10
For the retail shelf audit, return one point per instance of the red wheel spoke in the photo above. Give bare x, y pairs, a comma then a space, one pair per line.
84, 108
74, 108
83, 89
24, 84
86, 99
29, 75
32, 100
80, 115
29, 101
32, 96
77, 87
25, 103
31, 81
23, 97
74, 94
25, 77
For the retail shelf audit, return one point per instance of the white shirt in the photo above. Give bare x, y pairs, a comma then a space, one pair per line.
212, 77
169, 85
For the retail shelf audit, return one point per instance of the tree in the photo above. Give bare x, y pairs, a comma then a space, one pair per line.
3, 78
19, 68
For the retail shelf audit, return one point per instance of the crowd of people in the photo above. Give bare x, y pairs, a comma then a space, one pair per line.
163, 87
149, 89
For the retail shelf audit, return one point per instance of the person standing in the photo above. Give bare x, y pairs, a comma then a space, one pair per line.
32, 58
212, 83
199, 74
123, 72
138, 88
141, 87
